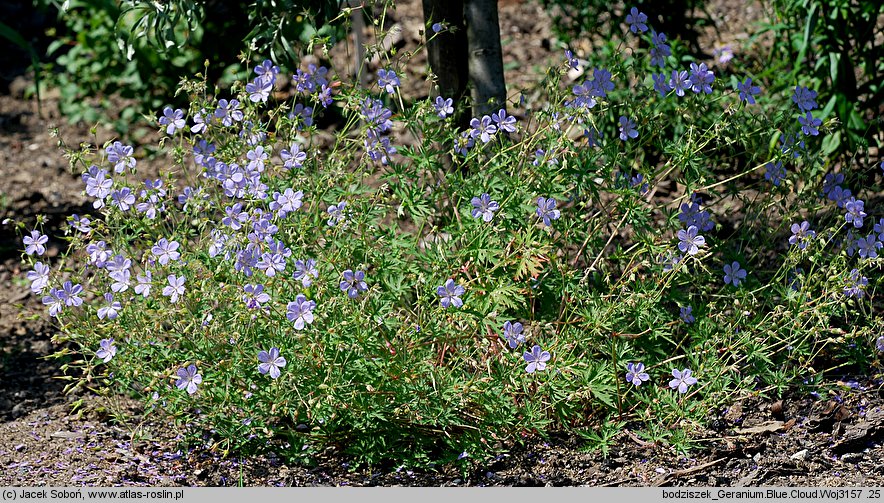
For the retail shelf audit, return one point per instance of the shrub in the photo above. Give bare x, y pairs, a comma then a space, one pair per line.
407, 291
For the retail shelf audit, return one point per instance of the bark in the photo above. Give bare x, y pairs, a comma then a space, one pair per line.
447, 51
485, 56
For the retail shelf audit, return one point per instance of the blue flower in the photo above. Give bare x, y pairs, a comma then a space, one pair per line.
106, 350
804, 98
748, 91
484, 207
661, 84
449, 294
173, 120
879, 343
304, 270
869, 246
627, 128
536, 359
512, 332
165, 251
39, 277
482, 128
111, 309
684, 313
682, 380
734, 274
809, 125
188, 379
855, 285
120, 156
34, 243
801, 234
336, 214
572, 62
504, 122
854, 212
660, 50
701, 78
635, 374
270, 362
679, 82
437, 27
255, 296
444, 107
636, 21
259, 89
175, 287
774, 172
293, 157
300, 312
388, 80
353, 283
546, 210
689, 240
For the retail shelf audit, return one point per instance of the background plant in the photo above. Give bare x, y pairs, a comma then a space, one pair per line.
281, 289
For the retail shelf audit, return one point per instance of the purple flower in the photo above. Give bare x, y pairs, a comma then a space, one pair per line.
444, 107
484, 207
229, 112
701, 78
111, 309
55, 300
774, 172
325, 96
287, 202
855, 285
635, 373
830, 181
270, 362
336, 212
636, 21
734, 274
144, 283
869, 246
504, 122
572, 62
267, 70
235, 216
172, 120
304, 270
437, 27
106, 350
689, 240
748, 91
82, 224
122, 279
353, 283
175, 288
660, 50
685, 314
536, 359
512, 332
71, 294
259, 89
463, 143
482, 129
879, 343
809, 125
388, 80
679, 82
627, 128
661, 84
121, 157
271, 263
801, 234
98, 253
682, 380
293, 157
804, 98
188, 379
593, 137
300, 312
854, 212
39, 277
546, 210
255, 296
449, 294
723, 54
34, 243
98, 185
123, 198
165, 251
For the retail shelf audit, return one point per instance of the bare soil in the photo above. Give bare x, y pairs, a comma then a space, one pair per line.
804, 440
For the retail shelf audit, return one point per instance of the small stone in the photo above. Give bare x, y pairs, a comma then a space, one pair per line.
800, 455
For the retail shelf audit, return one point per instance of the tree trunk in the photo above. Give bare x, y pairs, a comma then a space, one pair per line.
485, 56
448, 50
